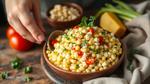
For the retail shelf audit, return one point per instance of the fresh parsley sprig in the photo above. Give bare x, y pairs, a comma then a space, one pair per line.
87, 22
91, 21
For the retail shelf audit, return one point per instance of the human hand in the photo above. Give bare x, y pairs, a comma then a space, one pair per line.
24, 17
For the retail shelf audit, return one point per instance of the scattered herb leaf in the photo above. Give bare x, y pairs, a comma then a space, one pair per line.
16, 63
4, 75
28, 79
27, 69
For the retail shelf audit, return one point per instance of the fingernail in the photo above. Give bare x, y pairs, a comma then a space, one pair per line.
41, 38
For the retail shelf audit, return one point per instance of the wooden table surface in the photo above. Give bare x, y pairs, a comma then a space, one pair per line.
31, 57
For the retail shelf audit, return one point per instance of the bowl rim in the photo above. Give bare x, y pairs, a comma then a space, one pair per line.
71, 4
79, 73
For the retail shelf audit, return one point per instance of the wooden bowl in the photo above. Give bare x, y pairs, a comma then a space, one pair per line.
65, 24
82, 76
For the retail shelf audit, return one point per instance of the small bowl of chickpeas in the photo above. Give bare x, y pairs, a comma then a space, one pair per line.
83, 53
64, 15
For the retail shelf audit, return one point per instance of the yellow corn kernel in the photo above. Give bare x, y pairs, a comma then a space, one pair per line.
77, 48
113, 57
104, 64
93, 55
87, 70
103, 58
101, 69
93, 70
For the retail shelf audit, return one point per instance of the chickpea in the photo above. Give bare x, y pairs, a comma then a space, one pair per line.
63, 13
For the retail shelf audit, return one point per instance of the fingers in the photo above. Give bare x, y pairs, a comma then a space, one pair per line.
19, 16
29, 23
36, 13
16, 24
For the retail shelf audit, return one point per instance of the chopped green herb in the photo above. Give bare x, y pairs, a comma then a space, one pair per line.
73, 36
66, 36
84, 43
103, 33
73, 43
97, 51
16, 63
77, 66
64, 49
4, 75
81, 33
90, 49
27, 69
28, 79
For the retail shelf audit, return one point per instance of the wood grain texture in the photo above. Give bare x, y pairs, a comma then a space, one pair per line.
31, 57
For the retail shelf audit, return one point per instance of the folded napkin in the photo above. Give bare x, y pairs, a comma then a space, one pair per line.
138, 40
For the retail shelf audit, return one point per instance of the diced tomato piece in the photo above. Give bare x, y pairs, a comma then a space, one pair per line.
54, 42
73, 48
80, 53
107, 45
91, 30
90, 61
76, 27
76, 39
100, 39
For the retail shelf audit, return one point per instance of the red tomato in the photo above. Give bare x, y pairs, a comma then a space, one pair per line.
10, 31
90, 61
53, 42
91, 30
19, 43
80, 53
100, 39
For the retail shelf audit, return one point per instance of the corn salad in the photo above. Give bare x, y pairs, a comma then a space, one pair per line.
85, 49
